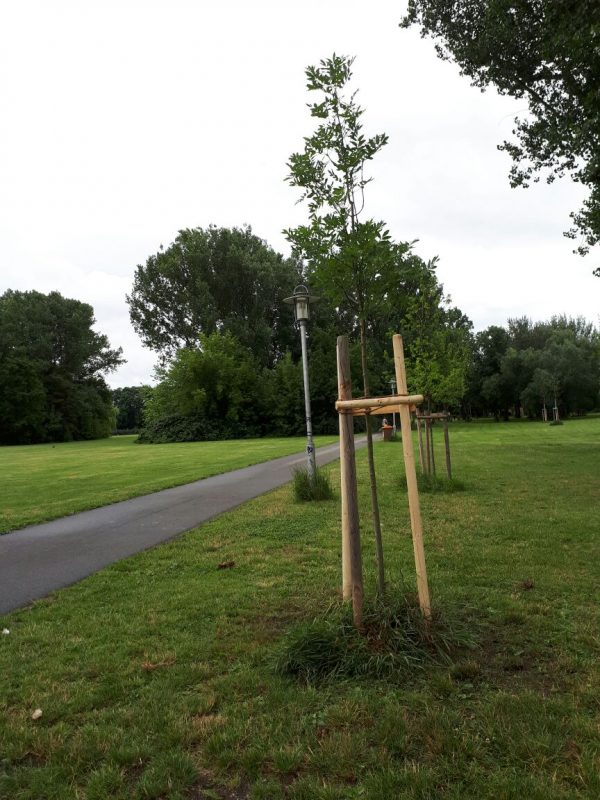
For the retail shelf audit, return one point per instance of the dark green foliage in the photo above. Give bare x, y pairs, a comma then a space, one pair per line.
219, 390
193, 428
214, 279
547, 53
210, 392
531, 365
51, 365
395, 641
306, 489
129, 402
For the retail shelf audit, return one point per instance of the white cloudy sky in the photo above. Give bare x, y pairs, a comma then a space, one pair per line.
123, 121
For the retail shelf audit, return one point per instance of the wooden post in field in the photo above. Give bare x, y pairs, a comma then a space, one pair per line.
428, 443
420, 437
352, 584
430, 421
411, 482
447, 443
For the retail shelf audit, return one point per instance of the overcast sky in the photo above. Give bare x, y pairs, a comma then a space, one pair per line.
123, 122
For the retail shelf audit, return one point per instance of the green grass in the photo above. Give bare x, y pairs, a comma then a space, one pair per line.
157, 676
42, 482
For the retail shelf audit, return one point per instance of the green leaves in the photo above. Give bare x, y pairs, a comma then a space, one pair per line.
51, 365
343, 254
209, 280
547, 53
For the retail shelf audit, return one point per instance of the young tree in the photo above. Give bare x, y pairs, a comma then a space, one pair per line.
347, 257
547, 53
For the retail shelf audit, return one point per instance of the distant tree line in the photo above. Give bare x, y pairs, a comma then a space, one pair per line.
529, 366
240, 375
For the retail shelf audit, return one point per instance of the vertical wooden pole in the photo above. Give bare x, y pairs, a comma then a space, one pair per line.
420, 437
411, 482
428, 443
352, 583
447, 443
431, 445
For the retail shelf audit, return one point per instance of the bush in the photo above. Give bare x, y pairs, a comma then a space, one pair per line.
306, 489
193, 428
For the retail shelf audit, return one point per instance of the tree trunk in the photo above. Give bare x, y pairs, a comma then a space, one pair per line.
371, 459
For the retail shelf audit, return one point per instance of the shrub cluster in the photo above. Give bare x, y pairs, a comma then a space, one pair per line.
194, 428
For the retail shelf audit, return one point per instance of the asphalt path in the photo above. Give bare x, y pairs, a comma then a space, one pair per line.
38, 560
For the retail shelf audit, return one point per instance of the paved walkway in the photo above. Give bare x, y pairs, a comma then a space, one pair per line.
37, 560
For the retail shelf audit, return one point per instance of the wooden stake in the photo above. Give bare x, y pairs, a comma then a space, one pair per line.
420, 436
447, 443
411, 483
430, 421
428, 443
352, 583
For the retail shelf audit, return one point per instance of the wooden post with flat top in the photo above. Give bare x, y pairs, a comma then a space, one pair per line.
411, 482
420, 436
352, 582
447, 443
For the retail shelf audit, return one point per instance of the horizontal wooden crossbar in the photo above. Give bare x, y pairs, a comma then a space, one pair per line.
378, 405
383, 411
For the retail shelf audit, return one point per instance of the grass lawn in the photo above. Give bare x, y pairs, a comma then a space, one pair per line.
155, 677
45, 481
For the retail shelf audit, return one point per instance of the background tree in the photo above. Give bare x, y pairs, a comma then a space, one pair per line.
51, 370
530, 364
129, 403
547, 53
490, 346
214, 279
439, 343
212, 391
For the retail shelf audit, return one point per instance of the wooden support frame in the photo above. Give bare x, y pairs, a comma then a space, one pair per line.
403, 404
428, 459
379, 405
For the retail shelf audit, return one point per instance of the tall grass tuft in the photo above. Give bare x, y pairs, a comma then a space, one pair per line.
438, 483
396, 641
306, 489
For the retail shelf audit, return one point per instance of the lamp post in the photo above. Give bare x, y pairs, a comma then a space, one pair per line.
301, 301
393, 386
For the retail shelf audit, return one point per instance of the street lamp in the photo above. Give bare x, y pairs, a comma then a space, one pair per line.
301, 301
393, 385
